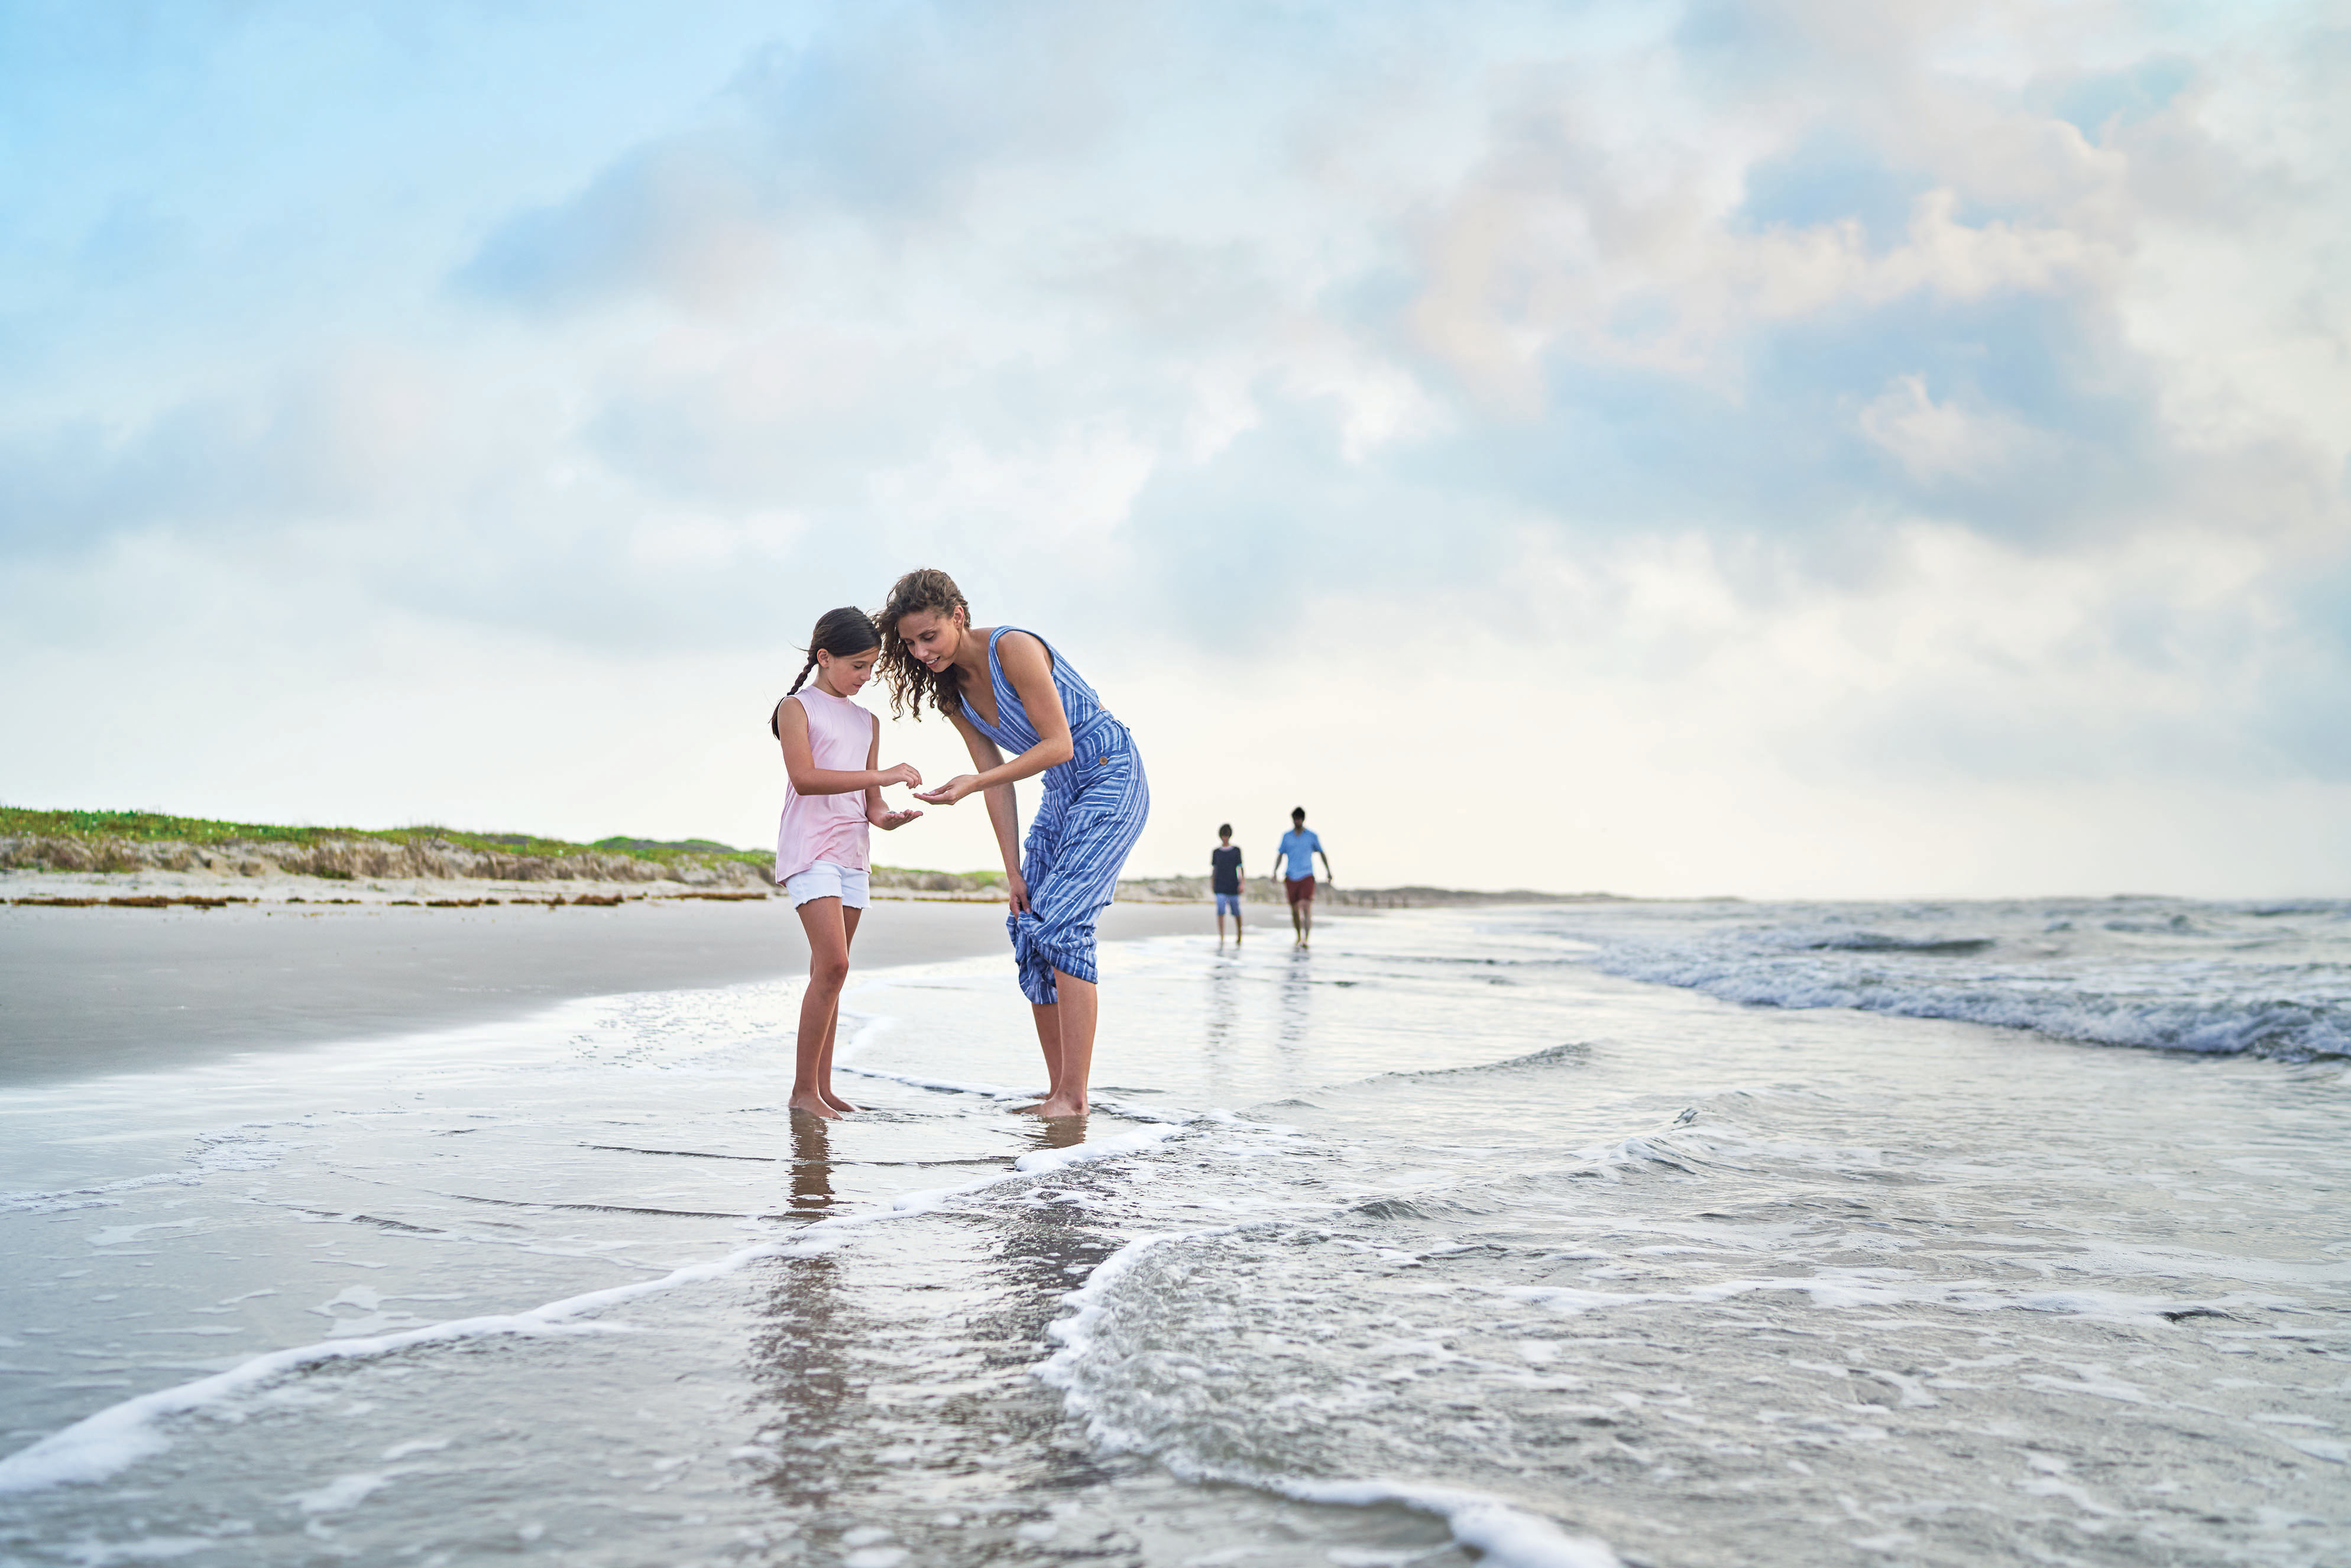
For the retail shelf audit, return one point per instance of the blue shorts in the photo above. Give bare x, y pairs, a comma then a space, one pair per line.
1228, 904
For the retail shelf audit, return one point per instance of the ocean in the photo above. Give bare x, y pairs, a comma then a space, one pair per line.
1580, 1235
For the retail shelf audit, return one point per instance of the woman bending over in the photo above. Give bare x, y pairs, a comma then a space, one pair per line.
1007, 690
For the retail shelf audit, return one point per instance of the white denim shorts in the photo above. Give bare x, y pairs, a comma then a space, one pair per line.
826, 880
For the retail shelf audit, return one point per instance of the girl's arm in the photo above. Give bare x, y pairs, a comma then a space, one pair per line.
807, 778
1003, 809
1030, 671
880, 815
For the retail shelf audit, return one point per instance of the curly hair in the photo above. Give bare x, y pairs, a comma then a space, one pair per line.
924, 588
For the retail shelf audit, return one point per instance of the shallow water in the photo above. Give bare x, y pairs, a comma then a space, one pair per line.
1442, 1241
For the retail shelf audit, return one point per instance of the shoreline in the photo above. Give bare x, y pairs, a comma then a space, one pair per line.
92, 991
160, 887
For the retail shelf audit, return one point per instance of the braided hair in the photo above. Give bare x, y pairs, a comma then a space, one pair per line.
839, 632
927, 588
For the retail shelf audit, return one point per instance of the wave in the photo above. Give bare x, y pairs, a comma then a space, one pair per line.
2205, 979
1932, 948
111, 1440
2281, 1027
1570, 1053
1506, 1534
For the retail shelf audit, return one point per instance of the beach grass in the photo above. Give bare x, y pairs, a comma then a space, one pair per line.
158, 827
100, 828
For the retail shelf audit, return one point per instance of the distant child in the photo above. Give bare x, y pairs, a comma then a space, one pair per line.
1225, 881
1297, 851
833, 750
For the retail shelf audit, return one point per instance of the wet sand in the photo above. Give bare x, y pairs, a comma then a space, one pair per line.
90, 991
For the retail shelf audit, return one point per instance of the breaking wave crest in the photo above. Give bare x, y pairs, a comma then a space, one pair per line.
2214, 979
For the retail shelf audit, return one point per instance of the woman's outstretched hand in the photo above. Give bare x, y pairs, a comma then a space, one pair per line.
903, 773
1017, 887
891, 821
953, 789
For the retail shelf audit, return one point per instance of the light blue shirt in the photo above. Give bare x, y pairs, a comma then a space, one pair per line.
1299, 847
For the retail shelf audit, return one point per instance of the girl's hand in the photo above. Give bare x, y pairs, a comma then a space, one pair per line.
891, 821
903, 773
953, 789
1017, 887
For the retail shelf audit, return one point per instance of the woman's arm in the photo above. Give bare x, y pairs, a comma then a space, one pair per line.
880, 815
1003, 809
1030, 669
807, 778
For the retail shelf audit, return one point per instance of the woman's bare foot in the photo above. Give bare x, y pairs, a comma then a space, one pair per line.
1062, 1105
836, 1102
813, 1104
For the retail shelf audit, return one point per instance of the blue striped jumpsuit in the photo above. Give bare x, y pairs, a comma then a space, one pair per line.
1093, 811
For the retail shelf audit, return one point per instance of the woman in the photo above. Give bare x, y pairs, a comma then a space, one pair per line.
1007, 690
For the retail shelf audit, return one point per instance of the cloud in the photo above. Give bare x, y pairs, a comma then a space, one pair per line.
1941, 440
1910, 393
682, 219
891, 125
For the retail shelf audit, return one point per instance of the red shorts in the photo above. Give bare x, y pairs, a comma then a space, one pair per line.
1300, 888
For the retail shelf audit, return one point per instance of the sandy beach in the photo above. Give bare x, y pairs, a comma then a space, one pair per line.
1469, 1239
95, 990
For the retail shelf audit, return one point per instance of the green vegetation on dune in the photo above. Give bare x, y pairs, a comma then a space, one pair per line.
156, 827
988, 878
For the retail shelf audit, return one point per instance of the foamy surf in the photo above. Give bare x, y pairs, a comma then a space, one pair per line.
113, 1439
2257, 979
1507, 1535
1444, 1245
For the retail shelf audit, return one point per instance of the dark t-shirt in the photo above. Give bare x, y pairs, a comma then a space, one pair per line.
1226, 875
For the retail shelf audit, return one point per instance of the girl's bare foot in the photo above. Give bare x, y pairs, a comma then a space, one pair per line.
812, 1103
1061, 1106
836, 1102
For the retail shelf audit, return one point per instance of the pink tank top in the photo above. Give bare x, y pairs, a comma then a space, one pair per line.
827, 827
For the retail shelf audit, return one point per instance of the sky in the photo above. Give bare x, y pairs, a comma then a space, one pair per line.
1802, 448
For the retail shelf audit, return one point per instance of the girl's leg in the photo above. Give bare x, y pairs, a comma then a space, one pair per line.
827, 969
849, 918
1077, 1010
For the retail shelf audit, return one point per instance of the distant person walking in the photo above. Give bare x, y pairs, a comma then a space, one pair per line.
1005, 689
1225, 881
833, 801
1296, 853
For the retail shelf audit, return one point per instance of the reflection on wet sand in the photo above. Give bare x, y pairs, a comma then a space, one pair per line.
1223, 1014
811, 1165
1297, 995
898, 1374
1060, 1133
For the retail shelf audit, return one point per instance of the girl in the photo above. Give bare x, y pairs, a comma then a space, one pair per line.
831, 748
1007, 690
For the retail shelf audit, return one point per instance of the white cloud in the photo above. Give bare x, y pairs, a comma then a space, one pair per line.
1945, 440
1756, 431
